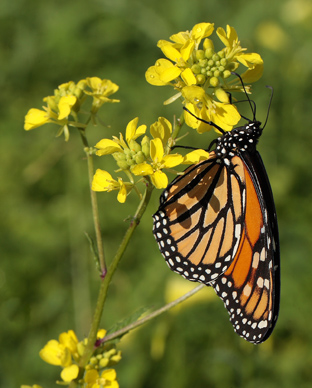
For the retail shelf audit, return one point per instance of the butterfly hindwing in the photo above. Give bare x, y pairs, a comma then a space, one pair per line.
248, 287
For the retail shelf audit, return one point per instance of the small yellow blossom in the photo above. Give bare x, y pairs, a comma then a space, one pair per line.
55, 353
63, 107
100, 91
70, 373
103, 181
106, 379
159, 162
194, 63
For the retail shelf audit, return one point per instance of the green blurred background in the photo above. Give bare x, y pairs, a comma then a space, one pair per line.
48, 283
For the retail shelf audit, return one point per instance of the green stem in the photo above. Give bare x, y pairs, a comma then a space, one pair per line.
112, 268
94, 204
154, 314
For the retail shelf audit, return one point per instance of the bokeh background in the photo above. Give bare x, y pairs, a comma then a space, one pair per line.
48, 283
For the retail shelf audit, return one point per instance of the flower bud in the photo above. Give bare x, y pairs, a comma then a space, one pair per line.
145, 144
214, 81
134, 146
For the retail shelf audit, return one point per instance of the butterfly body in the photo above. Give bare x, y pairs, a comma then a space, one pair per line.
216, 224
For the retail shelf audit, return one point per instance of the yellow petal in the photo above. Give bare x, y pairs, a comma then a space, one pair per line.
65, 104
132, 132
228, 38
195, 156
107, 147
101, 180
109, 374
142, 169
255, 64
202, 30
221, 95
169, 51
172, 160
122, 194
69, 340
70, 373
52, 352
156, 150
188, 77
35, 118
161, 129
159, 180
131, 128
187, 49
193, 94
170, 74
101, 333
153, 78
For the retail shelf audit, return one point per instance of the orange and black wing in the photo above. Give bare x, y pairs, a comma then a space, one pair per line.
200, 221
250, 286
216, 224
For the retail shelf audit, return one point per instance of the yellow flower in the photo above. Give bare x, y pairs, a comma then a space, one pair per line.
103, 181
55, 353
191, 66
159, 162
106, 379
66, 103
100, 91
35, 118
126, 153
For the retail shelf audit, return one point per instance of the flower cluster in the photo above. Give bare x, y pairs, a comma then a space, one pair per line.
63, 107
147, 158
201, 74
67, 351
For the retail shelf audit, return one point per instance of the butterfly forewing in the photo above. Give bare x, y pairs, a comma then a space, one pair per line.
198, 210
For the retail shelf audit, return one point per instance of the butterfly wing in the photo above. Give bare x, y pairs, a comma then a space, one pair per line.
199, 223
250, 288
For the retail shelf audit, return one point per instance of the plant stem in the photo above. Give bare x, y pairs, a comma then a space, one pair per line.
94, 204
112, 268
154, 314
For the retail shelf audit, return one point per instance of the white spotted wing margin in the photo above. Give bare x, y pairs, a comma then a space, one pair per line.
250, 288
199, 223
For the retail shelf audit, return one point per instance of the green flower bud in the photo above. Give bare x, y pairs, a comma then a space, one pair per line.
201, 79
200, 54
203, 62
81, 348
208, 44
221, 69
103, 362
93, 361
223, 62
123, 164
134, 146
210, 62
145, 144
209, 73
226, 74
221, 54
216, 73
214, 81
139, 157
196, 69
119, 156
216, 57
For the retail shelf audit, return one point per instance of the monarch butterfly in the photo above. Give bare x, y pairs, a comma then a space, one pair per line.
216, 224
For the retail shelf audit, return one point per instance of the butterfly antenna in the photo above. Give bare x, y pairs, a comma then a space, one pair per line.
205, 121
269, 107
253, 107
